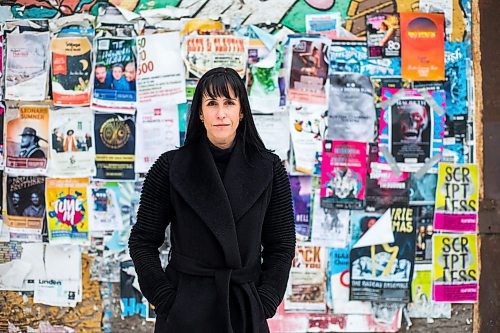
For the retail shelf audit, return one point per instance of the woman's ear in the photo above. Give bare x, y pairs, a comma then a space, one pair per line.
201, 117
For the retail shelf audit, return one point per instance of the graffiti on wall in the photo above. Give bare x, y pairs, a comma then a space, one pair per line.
269, 14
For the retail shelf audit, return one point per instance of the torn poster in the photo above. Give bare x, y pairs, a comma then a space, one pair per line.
424, 217
325, 24
440, 6
301, 187
114, 86
423, 190
27, 65
115, 145
27, 135
131, 299
455, 268
67, 210
159, 81
307, 128
422, 32
457, 198
2, 137
72, 143
25, 204
306, 289
351, 113
343, 174
383, 271
202, 53
157, 132
308, 70
412, 128
71, 70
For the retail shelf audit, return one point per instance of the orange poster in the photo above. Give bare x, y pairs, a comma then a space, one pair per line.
422, 46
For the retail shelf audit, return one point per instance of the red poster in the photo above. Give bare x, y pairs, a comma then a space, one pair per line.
422, 46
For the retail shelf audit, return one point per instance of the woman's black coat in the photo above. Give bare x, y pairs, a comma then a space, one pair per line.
219, 278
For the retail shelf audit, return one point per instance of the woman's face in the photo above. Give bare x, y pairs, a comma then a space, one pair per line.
221, 117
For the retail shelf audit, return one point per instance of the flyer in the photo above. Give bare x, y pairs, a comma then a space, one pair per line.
422, 46
423, 190
104, 210
343, 174
202, 53
71, 70
157, 132
131, 299
72, 152
457, 198
422, 305
411, 127
274, 130
301, 187
329, 226
424, 218
25, 204
308, 70
325, 24
382, 271
114, 81
306, 288
115, 146
307, 129
26, 65
383, 35
160, 81
351, 111
440, 6
67, 210
27, 135
455, 268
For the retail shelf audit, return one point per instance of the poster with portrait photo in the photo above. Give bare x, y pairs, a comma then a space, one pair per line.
301, 187
114, 86
25, 200
71, 143
27, 136
114, 145
411, 128
308, 70
351, 111
424, 219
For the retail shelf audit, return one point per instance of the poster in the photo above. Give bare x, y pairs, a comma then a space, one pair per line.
411, 127
115, 146
343, 174
383, 271
325, 24
114, 86
157, 132
27, 66
423, 190
301, 187
25, 204
2, 137
71, 142
457, 198
307, 129
308, 70
424, 218
422, 46
267, 90
422, 305
160, 81
71, 70
351, 111
104, 208
306, 288
68, 219
27, 135
202, 53
131, 300
440, 6
329, 226
455, 85
455, 268
383, 35
274, 130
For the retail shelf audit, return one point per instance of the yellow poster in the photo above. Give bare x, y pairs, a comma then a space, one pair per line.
454, 273
67, 210
457, 198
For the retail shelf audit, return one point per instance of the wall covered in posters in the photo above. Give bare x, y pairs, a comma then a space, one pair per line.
377, 140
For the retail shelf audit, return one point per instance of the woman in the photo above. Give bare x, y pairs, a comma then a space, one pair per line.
228, 201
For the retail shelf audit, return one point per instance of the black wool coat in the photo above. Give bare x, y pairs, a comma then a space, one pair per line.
233, 240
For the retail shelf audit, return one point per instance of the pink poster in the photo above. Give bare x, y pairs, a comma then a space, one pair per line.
343, 174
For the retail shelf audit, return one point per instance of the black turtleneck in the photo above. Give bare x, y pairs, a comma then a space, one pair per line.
221, 157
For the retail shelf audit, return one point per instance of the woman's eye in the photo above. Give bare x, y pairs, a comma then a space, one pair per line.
212, 103
230, 102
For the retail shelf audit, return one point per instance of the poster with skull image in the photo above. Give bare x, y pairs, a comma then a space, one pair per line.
343, 174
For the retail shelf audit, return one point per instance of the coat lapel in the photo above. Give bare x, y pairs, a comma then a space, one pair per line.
245, 182
195, 177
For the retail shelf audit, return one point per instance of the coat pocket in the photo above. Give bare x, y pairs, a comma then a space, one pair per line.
259, 301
